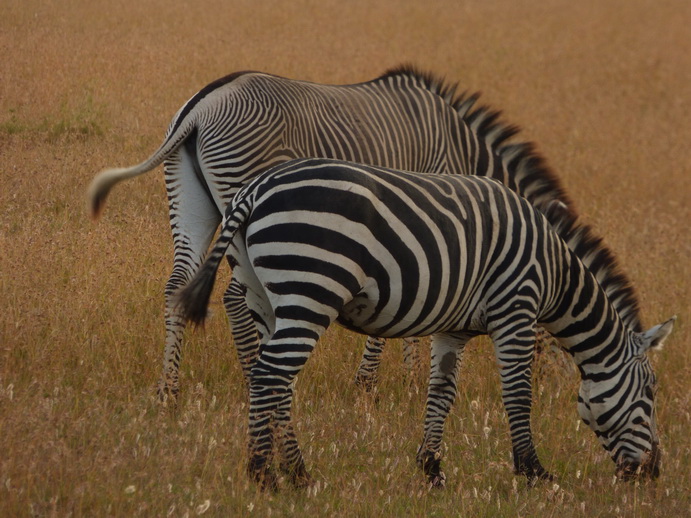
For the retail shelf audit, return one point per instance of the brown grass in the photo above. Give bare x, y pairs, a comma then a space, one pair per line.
603, 88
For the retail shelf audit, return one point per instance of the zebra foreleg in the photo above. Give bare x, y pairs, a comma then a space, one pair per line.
515, 355
446, 354
242, 326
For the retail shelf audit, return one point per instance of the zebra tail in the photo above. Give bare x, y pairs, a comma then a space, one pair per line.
193, 299
104, 181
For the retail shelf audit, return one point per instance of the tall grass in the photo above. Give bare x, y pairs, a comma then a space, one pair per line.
603, 88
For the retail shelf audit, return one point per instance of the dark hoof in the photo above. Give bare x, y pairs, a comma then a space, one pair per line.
167, 395
438, 481
529, 466
535, 478
298, 477
431, 466
266, 480
261, 473
302, 481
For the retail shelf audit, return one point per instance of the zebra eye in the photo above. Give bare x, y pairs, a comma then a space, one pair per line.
649, 393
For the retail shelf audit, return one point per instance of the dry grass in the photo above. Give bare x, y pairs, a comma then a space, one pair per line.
605, 90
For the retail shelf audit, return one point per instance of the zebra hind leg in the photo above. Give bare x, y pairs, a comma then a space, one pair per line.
169, 384
446, 355
242, 326
193, 221
292, 464
271, 396
367, 375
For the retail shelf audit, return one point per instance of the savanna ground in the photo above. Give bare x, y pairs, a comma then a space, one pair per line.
603, 88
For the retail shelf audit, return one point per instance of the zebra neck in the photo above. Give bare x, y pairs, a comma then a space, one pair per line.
586, 323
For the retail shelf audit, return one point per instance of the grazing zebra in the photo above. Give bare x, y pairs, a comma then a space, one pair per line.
239, 126
394, 254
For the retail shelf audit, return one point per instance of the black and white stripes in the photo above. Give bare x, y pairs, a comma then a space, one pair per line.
241, 125
394, 254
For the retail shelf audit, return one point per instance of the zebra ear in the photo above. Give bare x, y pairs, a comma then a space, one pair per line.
654, 338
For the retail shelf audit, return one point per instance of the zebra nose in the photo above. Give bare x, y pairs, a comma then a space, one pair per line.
648, 466
652, 466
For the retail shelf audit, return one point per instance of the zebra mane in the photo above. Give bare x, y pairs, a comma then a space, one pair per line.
599, 259
526, 171
529, 175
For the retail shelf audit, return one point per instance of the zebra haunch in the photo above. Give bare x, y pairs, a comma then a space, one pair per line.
239, 126
396, 254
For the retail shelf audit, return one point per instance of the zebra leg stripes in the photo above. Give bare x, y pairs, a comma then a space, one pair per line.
191, 237
242, 325
367, 373
446, 355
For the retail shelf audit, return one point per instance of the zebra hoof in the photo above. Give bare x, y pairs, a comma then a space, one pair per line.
529, 466
535, 478
430, 462
298, 476
438, 481
301, 481
266, 480
167, 394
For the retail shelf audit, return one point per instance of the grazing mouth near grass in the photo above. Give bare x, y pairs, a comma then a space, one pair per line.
630, 470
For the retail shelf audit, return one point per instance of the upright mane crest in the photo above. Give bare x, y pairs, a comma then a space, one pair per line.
524, 171
599, 259
520, 167
434, 84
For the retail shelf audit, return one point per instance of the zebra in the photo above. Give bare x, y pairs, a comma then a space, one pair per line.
393, 254
242, 124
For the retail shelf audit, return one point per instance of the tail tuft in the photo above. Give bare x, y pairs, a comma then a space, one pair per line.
101, 186
96, 205
193, 299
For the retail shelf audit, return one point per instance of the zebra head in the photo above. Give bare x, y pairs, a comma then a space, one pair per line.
620, 407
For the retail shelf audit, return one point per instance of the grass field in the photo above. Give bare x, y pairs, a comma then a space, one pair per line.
603, 88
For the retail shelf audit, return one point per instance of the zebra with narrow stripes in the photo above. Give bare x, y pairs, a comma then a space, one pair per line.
239, 126
394, 254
